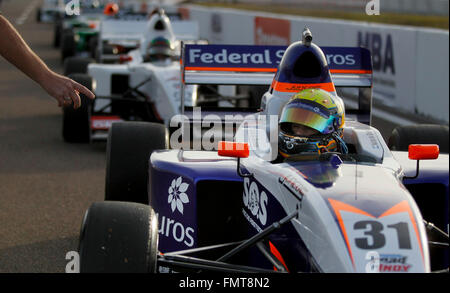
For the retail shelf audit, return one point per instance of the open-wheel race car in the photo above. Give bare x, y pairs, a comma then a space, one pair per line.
139, 83
246, 206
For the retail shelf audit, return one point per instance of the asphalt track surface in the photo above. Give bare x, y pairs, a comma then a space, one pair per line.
45, 184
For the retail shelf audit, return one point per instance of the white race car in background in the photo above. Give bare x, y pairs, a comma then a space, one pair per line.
133, 88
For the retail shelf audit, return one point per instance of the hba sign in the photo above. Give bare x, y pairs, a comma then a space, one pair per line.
382, 50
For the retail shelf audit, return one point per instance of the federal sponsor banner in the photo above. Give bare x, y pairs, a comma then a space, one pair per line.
348, 59
267, 58
232, 57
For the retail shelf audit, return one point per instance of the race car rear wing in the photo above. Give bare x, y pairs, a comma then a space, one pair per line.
112, 29
135, 29
350, 67
130, 32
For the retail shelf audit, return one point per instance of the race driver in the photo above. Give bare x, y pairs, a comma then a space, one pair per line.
14, 49
160, 50
312, 121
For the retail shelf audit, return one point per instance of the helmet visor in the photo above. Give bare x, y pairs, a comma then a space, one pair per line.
308, 115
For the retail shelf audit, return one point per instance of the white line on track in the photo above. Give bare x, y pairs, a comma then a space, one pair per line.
26, 13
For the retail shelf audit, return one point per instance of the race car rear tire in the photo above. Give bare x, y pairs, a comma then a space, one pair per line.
76, 64
256, 93
76, 123
57, 35
403, 136
93, 44
39, 15
128, 151
68, 45
118, 237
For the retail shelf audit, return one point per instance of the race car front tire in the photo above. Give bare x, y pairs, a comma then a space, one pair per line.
118, 237
76, 123
128, 151
403, 136
68, 45
76, 64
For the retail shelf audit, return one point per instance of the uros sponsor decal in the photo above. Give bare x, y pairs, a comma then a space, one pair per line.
170, 228
272, 31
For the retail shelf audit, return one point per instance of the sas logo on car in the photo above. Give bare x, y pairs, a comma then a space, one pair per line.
256, 202
177, 194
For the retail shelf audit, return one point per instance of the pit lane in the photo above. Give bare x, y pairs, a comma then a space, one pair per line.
46, 184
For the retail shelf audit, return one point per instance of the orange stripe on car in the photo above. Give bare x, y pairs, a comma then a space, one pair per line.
277, 254
296, 87
236, 69
350, 71
401, 208
338, 207
398, 208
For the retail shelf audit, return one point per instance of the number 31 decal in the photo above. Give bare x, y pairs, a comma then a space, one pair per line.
376, 239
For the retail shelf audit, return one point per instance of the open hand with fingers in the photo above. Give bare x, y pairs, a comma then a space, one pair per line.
65, 90
14, 49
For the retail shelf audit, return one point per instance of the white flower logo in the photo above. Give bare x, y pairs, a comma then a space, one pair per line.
177, 194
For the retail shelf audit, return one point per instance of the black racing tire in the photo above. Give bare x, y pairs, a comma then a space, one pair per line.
68, 45
93, 44
38, 15
403, 136
76, 64
128, 151
57, 32
118, 237
76, 123
108, 49
256, 93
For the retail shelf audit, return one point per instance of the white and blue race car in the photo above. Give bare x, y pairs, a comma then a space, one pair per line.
173, 207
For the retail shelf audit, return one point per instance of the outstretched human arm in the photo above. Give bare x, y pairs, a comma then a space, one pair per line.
14, 49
